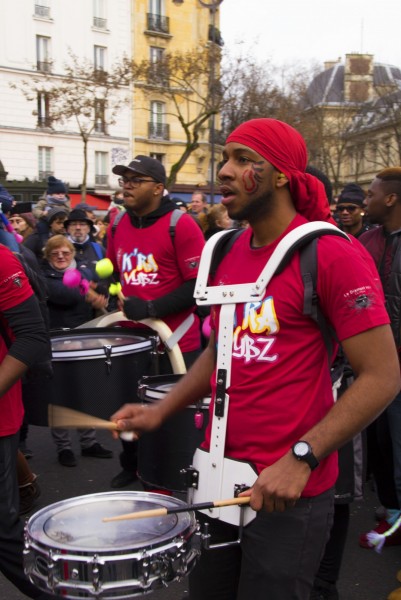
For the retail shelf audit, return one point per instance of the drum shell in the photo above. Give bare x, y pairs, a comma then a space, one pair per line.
163, 453
83, 381
70, 552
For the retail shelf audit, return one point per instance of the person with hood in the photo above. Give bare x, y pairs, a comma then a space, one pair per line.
46, 227
157, 272
280, 413
55, 197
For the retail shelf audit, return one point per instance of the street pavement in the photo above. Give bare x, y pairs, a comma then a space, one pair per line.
365, 575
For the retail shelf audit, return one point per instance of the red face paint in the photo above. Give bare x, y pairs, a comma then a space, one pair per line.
248, 177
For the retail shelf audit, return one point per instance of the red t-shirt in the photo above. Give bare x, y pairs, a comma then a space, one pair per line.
151, 264
14, 289
280, 381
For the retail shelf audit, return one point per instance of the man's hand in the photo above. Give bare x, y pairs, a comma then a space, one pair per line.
137, 418
135, 309
279, 486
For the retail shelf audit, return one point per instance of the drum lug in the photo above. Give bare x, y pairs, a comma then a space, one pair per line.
107, 350
191, 477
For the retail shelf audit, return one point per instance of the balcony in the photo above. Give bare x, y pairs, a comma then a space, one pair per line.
43, 175
44, 66
101, 179
158, 131
157, 75
99, 23
42, 11
158, 23
44, 121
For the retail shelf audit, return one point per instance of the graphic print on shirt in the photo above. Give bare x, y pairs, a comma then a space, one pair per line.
139, 269
255, 337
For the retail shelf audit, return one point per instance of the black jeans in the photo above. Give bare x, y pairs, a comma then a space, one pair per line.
277, 559
11, 526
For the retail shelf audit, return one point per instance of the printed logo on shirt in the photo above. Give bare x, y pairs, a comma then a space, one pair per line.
360, 298
258, 318
192, 263
139, 269
14, 278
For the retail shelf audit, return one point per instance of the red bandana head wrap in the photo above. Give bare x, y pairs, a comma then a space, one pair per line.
285, 149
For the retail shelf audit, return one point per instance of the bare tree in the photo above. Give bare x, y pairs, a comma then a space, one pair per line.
82, 94
194, 90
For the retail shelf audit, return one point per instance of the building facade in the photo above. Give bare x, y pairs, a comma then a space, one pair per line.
352, 119
36, 38
162, 27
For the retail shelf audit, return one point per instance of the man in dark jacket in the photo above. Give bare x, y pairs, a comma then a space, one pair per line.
350, 210
384, 435
79, 228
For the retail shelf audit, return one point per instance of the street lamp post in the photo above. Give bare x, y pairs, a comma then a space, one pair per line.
212, 5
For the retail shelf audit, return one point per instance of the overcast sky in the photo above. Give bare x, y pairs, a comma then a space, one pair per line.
292, 31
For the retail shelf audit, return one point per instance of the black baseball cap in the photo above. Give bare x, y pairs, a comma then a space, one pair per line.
143, 165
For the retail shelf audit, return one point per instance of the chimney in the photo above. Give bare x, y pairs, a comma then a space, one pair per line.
358, 77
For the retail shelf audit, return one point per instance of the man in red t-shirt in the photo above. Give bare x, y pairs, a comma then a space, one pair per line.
281, 417
157, 268
23, 341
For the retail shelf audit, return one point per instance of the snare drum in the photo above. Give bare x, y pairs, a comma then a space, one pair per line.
162, 454
70, 552
95, 371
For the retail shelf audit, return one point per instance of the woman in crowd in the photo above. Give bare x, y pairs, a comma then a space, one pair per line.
70, 307
217, 220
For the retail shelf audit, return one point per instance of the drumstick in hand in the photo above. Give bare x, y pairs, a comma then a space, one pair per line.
161, 512
61, 416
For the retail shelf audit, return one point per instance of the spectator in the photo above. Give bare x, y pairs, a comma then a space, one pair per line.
217, 220
80, 229
55, 197
23, 223
350, 210
68, 307
51, 224
88, 209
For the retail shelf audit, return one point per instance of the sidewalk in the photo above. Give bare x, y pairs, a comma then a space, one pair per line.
366, 575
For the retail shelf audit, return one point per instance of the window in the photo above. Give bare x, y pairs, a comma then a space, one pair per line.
100, 118
99, 14
160, 157
157, 71
158, 129
42, 9
43, 111
101, 168
99, 57
157, 21
45, 162
43, 61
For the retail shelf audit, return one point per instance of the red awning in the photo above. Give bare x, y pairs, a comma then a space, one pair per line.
100, 203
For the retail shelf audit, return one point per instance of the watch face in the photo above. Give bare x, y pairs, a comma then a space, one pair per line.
301, 449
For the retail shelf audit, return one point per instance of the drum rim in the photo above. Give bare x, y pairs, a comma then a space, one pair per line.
186, 523
123, 349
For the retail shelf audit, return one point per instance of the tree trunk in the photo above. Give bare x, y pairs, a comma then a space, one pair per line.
85, 172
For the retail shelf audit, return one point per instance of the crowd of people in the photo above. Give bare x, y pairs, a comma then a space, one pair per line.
268, 359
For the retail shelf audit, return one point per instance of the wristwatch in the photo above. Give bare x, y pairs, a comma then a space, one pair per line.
303, 451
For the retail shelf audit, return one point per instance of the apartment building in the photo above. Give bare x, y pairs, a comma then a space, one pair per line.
36, 38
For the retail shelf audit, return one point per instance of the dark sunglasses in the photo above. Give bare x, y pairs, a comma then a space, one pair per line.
350, 209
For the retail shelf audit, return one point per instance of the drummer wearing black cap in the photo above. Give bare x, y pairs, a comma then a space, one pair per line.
157, 270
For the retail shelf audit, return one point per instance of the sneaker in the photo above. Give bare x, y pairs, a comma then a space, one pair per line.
67, 458
28, 494
97, 451
25, 451
383, 526
323, 590
123, 479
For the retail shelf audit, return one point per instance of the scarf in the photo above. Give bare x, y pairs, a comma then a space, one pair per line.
284, 147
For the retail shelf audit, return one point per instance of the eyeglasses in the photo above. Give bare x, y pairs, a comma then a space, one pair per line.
134, 182
63, 253
350, 209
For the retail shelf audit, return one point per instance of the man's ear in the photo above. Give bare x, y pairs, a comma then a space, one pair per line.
281, 180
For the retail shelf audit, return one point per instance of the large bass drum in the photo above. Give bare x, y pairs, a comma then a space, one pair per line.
70, 552
164, 453
95, 371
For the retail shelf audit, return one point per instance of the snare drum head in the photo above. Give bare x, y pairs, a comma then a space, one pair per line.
75, 345
155, 387
77, 524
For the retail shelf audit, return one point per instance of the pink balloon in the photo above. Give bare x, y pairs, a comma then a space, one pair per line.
72, 278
